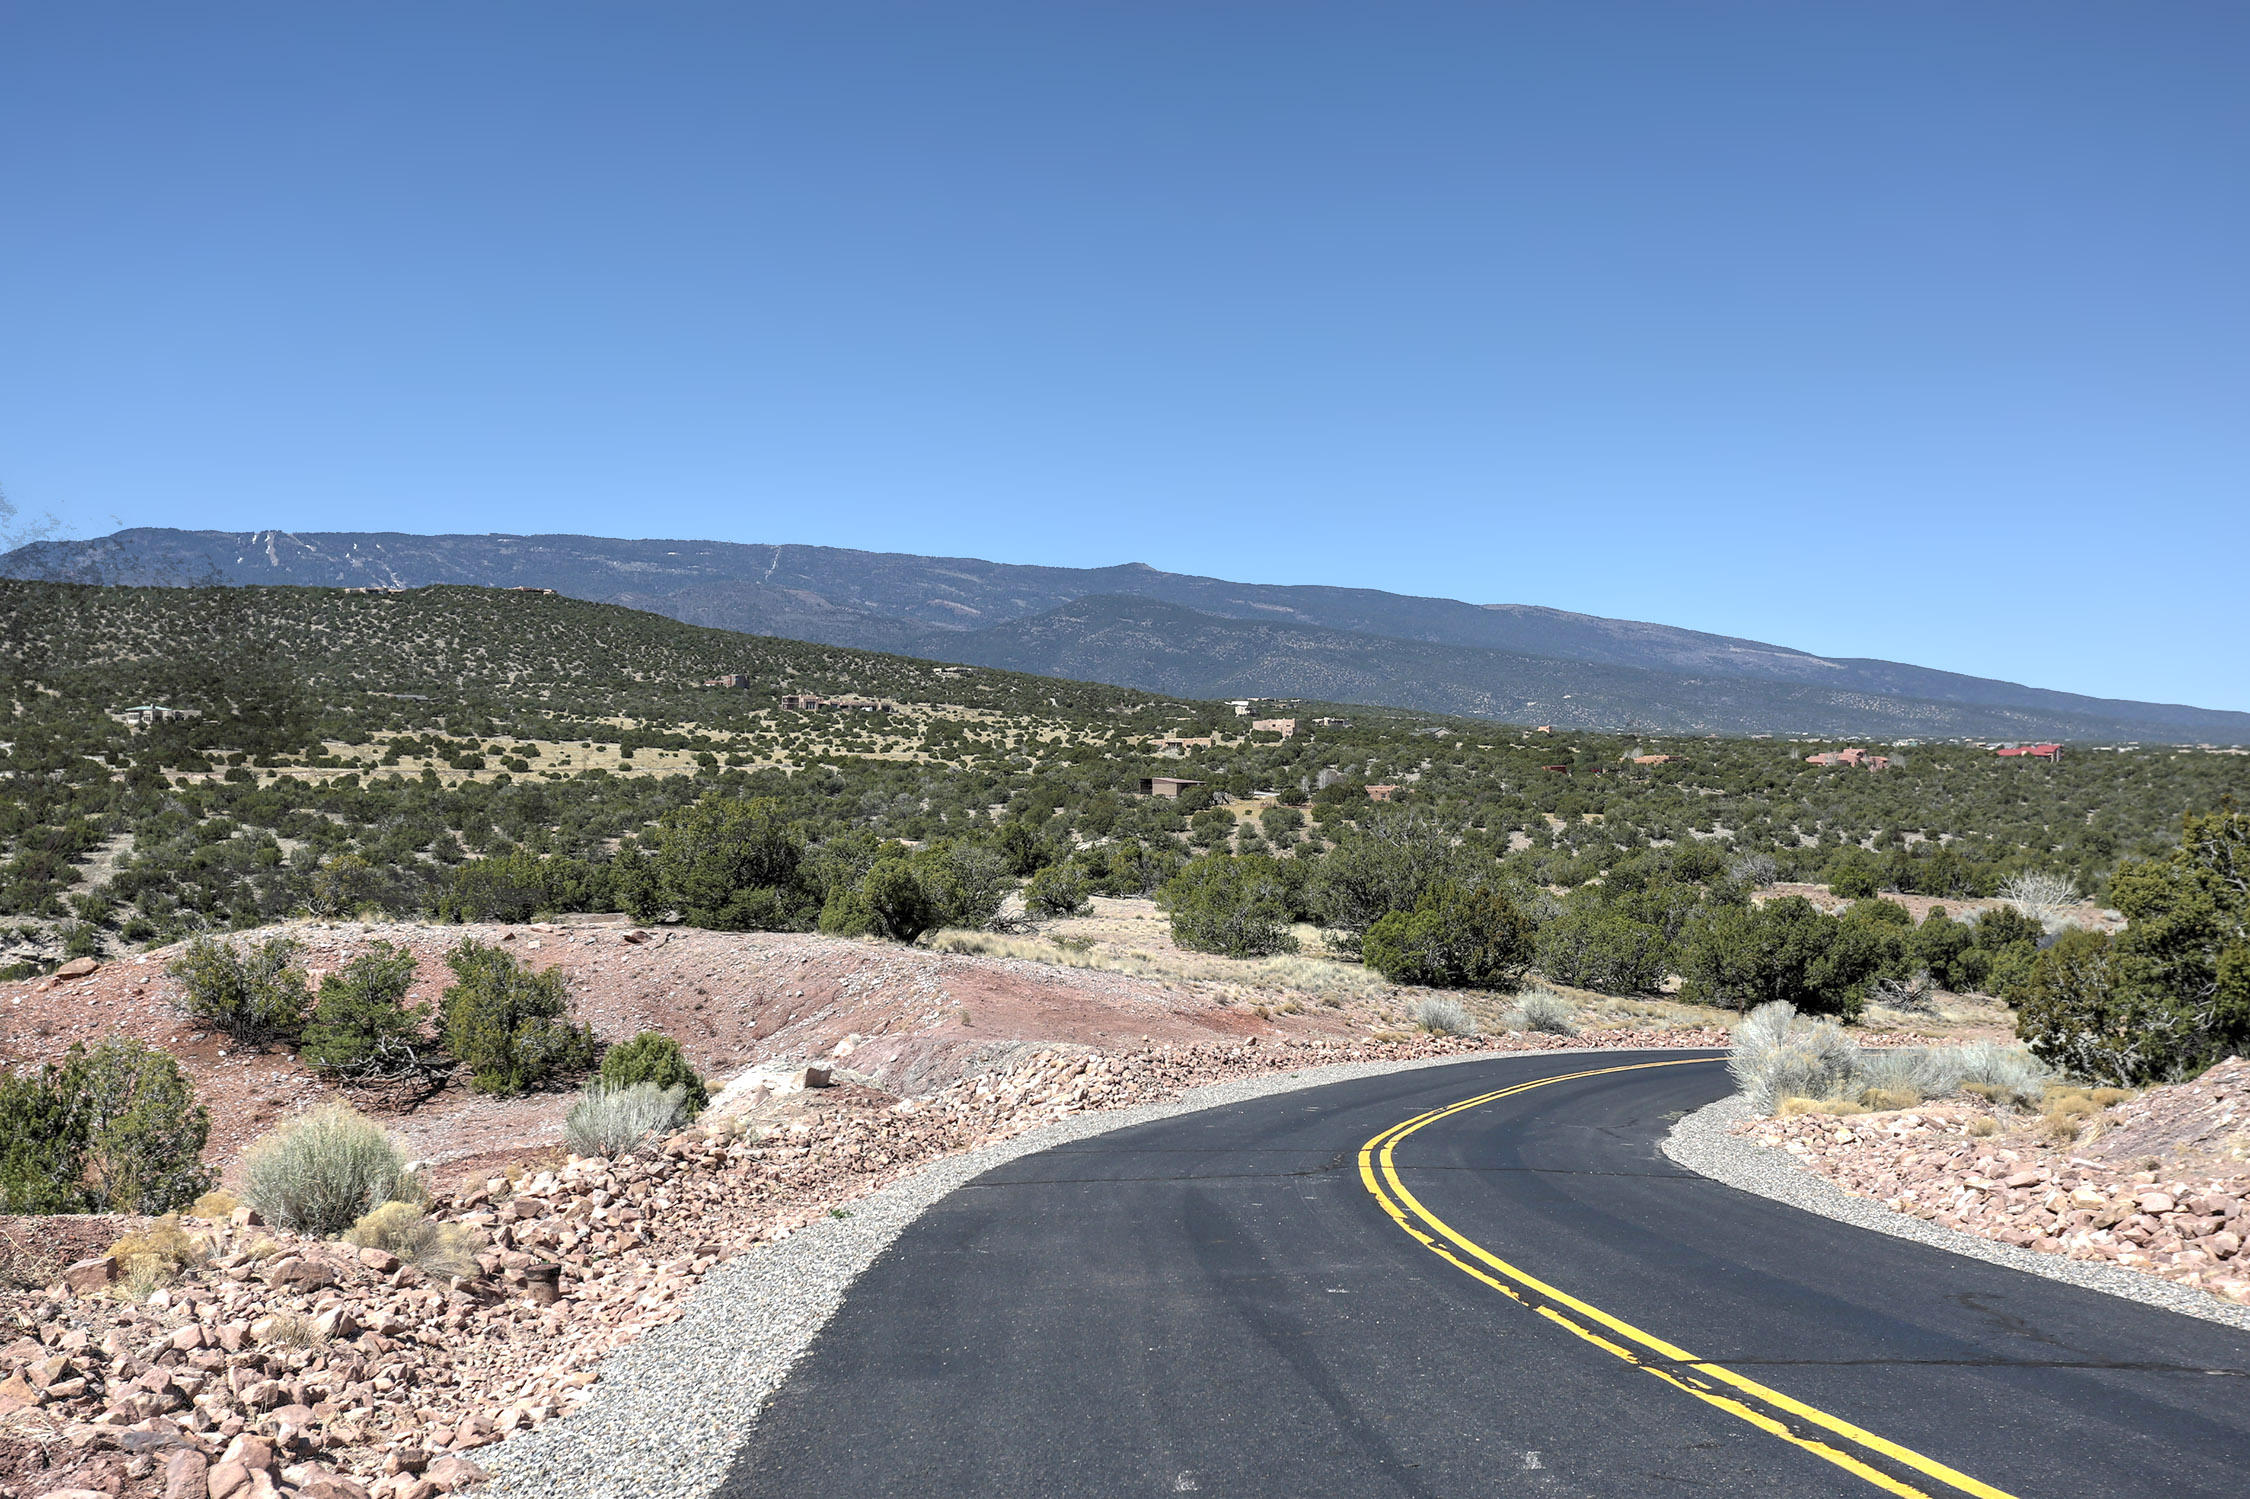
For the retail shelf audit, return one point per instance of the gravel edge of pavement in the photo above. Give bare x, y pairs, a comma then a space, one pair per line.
1704, 1142
674, 1406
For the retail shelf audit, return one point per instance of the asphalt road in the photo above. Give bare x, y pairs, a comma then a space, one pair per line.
1243, 1302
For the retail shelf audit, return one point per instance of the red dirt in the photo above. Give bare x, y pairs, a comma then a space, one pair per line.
733, 999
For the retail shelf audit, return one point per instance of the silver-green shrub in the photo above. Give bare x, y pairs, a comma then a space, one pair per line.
1544, 1010
1780, 1054
1445, 1017
610, 1121
325, 1171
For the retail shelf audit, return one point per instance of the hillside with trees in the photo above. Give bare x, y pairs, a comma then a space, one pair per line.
1133, 624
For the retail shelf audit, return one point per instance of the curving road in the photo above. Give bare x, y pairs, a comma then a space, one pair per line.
1448, 1283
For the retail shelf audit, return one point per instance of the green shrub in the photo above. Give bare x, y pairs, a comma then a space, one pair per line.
322, 1172
610, 1121
1056, 890
1395, 857
256, 997
734, 864
1782, 952
1235, 905
42, 1145
361, 1026
343, 885
114, 1129
653, 1057
2168, 996
1594, 947
1453, 938
508, 1025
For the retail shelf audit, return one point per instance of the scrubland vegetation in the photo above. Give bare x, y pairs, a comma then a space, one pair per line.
429, 755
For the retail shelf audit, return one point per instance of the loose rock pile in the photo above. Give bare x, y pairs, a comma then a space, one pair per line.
2052, 1199
282, 1365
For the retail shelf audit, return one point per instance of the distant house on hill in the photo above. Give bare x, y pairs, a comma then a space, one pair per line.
1855, 757
142, 715
1285, 727
2031, 751
806, 702
1166, 786
1652, 759
730, 679
1561, 770
1381, 793
527, 588
1175, 745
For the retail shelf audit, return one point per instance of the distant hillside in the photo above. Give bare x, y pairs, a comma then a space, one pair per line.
1369, 646
426, 655
1178, 651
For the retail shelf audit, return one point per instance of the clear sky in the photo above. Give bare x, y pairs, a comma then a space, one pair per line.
1901, 329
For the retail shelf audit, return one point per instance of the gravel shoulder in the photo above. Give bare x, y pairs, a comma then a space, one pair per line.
672, 1407
1703, 1142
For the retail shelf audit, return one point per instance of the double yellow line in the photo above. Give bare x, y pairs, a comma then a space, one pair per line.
1768, 1409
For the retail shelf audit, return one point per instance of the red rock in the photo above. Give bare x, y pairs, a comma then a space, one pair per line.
449, 1474
187, 1476
17, 1393
78, 968
89, 1276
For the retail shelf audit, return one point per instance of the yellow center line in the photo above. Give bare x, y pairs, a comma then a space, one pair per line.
1379, 1172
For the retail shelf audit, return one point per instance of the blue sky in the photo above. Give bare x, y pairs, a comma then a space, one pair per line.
1905, 330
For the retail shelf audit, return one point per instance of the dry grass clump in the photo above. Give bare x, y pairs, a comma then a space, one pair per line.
214, 1206
2068, 1110
287, 1330
438, 1250
1984, 1124
154, 1256
26, 1263
1325, 979
1791, 1108
325, 1171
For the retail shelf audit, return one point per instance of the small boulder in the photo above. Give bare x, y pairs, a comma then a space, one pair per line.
452, 1474
187, 1475
87, 1277
78, 968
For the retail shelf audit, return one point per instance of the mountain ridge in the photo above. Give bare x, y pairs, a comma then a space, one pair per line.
1402, 649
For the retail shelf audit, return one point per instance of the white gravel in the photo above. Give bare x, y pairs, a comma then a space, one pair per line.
673, 1407
1702, 1142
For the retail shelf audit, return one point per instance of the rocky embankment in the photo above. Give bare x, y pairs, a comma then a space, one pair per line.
274, 1365
2158, 1184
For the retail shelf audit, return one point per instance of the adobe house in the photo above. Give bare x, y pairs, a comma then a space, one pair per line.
1285, 727
1166, 786
1652, 759
1381, 793
2031, 751
730, 679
